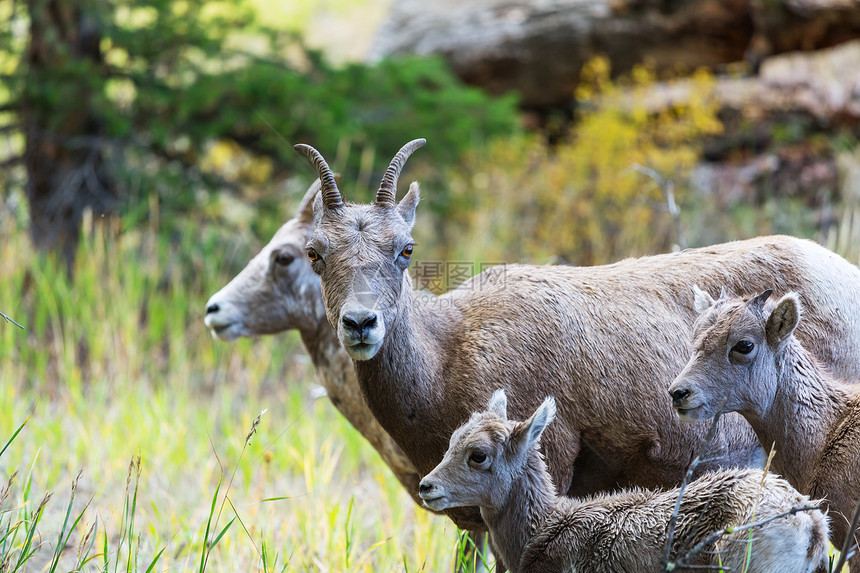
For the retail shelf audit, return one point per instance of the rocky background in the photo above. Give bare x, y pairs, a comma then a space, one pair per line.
788, 72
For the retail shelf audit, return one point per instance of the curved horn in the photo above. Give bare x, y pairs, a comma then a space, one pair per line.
330, 193
305, 212
388, 187
760, 299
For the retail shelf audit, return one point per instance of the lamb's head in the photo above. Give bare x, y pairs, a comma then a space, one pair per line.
277, 290
361, 253
737, 343
484, 457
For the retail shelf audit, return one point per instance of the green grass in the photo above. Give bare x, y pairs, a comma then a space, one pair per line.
117, 366
120, 382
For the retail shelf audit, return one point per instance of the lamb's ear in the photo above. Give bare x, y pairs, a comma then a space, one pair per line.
530, 431
782, 320
318, 208
498, 404
702, 301
407, 205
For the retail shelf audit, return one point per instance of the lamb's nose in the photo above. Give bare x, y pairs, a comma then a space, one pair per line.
679, 394
424, 488
212, 308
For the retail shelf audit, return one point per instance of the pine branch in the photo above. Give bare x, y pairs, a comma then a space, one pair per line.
210, 179
10, 106
11, 162
12, 127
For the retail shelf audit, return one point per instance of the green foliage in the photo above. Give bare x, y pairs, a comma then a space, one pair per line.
175, 81
190, 96
468, 557
582, 201
397, 100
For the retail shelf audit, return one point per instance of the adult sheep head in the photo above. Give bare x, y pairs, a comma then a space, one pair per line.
361, 253
277, 290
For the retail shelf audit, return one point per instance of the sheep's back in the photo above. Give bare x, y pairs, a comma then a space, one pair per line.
628, 530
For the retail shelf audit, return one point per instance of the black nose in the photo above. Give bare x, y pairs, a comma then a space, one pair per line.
425, 488
212, 308
679, 394
360, 324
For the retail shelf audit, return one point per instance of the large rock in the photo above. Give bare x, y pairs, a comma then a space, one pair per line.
821, 86
538, 48
771, 118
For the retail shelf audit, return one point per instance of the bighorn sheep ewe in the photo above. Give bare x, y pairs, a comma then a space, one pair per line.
278, 291
603, 340
744, 352
495, 463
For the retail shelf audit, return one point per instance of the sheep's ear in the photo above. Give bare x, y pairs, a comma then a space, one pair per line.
499, 404
318, 208
702, 301
782, 320
531, 430
407, 205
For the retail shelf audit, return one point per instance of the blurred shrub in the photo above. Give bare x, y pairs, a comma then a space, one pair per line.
236, 129
583, 202
240, 125
181, 98
843, 236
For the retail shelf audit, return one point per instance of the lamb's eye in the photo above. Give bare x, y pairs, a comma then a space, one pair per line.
478, 457
313, 255
407, 251
284, 259
743, 347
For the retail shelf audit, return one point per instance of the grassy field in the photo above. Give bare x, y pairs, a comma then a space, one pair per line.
117, 366
165, 450
118, 380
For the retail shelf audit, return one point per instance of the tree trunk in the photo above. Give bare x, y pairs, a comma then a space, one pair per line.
64, 149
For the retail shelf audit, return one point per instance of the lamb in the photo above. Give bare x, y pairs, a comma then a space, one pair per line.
496, 464
278, 291
747, 352
603, 340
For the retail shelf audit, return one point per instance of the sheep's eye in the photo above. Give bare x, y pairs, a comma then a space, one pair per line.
407, 251
478, 457
313, 255
284, 259
743, 347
